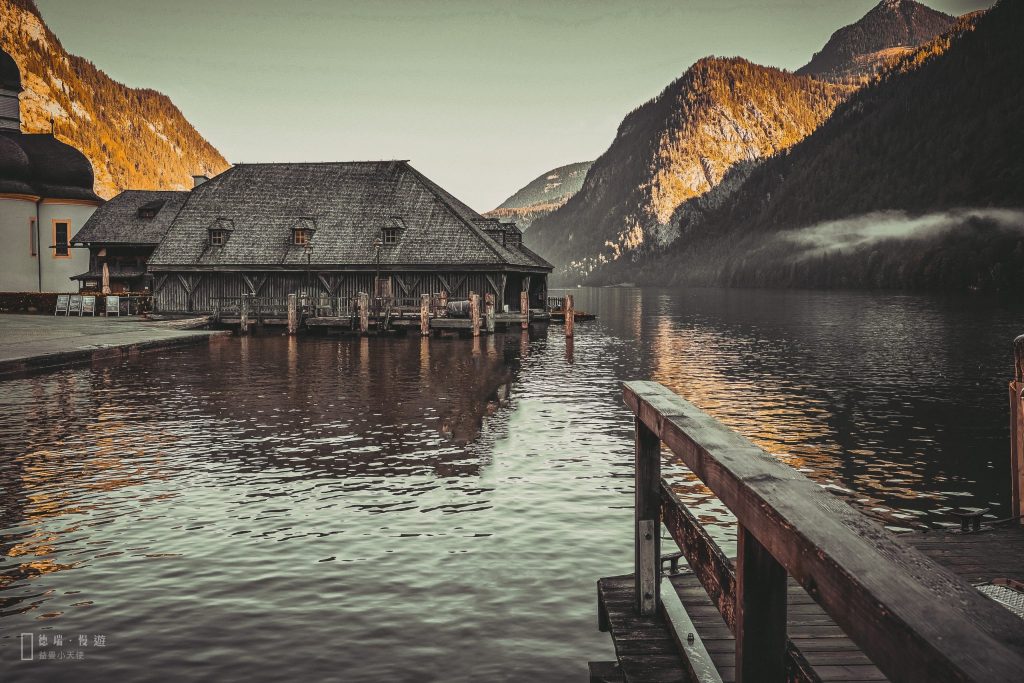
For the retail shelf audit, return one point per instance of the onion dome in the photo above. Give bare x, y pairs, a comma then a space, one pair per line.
59, 171
15, 168
10, 75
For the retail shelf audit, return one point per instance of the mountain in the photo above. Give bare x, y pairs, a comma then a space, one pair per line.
891, 29
915, 181
543, 194
679, 145
135, 138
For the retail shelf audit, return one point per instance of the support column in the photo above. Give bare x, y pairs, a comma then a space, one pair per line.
524, 307
474, 312
570, 316
424, 315
364, 312
243, 315
647, 519
1017, 430
760, 613
489, 311
293, 314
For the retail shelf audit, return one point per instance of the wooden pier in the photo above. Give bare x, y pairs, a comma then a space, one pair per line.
430, 314
817, 592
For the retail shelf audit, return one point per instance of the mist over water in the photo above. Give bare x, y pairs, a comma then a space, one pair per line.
870, 229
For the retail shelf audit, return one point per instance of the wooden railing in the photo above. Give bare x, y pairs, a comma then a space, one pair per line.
914, 619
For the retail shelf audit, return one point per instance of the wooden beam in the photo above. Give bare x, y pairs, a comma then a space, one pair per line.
760, 613
707, 561
1017, 431
489, 311
364, 312
647, 509
524, 308
684, 633
914, 619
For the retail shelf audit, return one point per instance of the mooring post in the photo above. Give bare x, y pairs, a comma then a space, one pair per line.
243, 315
1017, 429
474, 312
647, 520
424, 315
364, 312
524, 308
570, 316
293, 314
489, 311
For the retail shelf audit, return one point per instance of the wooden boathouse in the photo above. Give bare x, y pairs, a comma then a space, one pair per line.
328, 232
816, 591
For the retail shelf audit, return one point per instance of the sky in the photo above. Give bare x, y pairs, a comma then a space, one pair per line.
482, 96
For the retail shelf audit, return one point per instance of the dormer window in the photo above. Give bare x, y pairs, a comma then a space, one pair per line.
515, 239
392, 230
302, 231
150, 209
220, 230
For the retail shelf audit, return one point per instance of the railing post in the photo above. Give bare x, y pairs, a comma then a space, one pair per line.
1017, 429
647, 514
293, 314
424, 315
570, 315
760, 612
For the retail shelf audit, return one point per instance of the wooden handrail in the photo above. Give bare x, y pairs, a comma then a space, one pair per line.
913, 618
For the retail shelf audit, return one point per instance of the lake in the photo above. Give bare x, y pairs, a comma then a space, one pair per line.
403, 509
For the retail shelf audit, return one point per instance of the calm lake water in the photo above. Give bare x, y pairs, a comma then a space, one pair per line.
371, 509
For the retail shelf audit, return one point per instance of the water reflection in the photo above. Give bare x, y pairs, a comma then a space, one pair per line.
407, 499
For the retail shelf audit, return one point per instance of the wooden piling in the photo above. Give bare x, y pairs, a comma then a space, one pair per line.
364, 312
524, 308
243, 315
760, 612
293, 314
570, 316
424, 315
489, 311
474, 312
1017, 430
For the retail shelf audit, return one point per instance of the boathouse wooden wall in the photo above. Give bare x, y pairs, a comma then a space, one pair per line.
195, 292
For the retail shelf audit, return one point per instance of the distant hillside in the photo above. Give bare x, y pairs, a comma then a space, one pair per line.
915, 181
677, 146
135, 138
543, 194
891, 29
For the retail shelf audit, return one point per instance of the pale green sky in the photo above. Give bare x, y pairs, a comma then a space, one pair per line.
482, 96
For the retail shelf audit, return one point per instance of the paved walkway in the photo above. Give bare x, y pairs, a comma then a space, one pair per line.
37, 342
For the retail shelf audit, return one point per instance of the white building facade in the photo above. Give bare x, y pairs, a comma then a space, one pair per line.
46, 196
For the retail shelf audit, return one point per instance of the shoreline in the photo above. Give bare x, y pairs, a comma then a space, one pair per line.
31, 344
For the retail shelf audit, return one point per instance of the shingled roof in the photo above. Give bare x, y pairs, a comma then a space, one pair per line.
348, 203
119, 221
